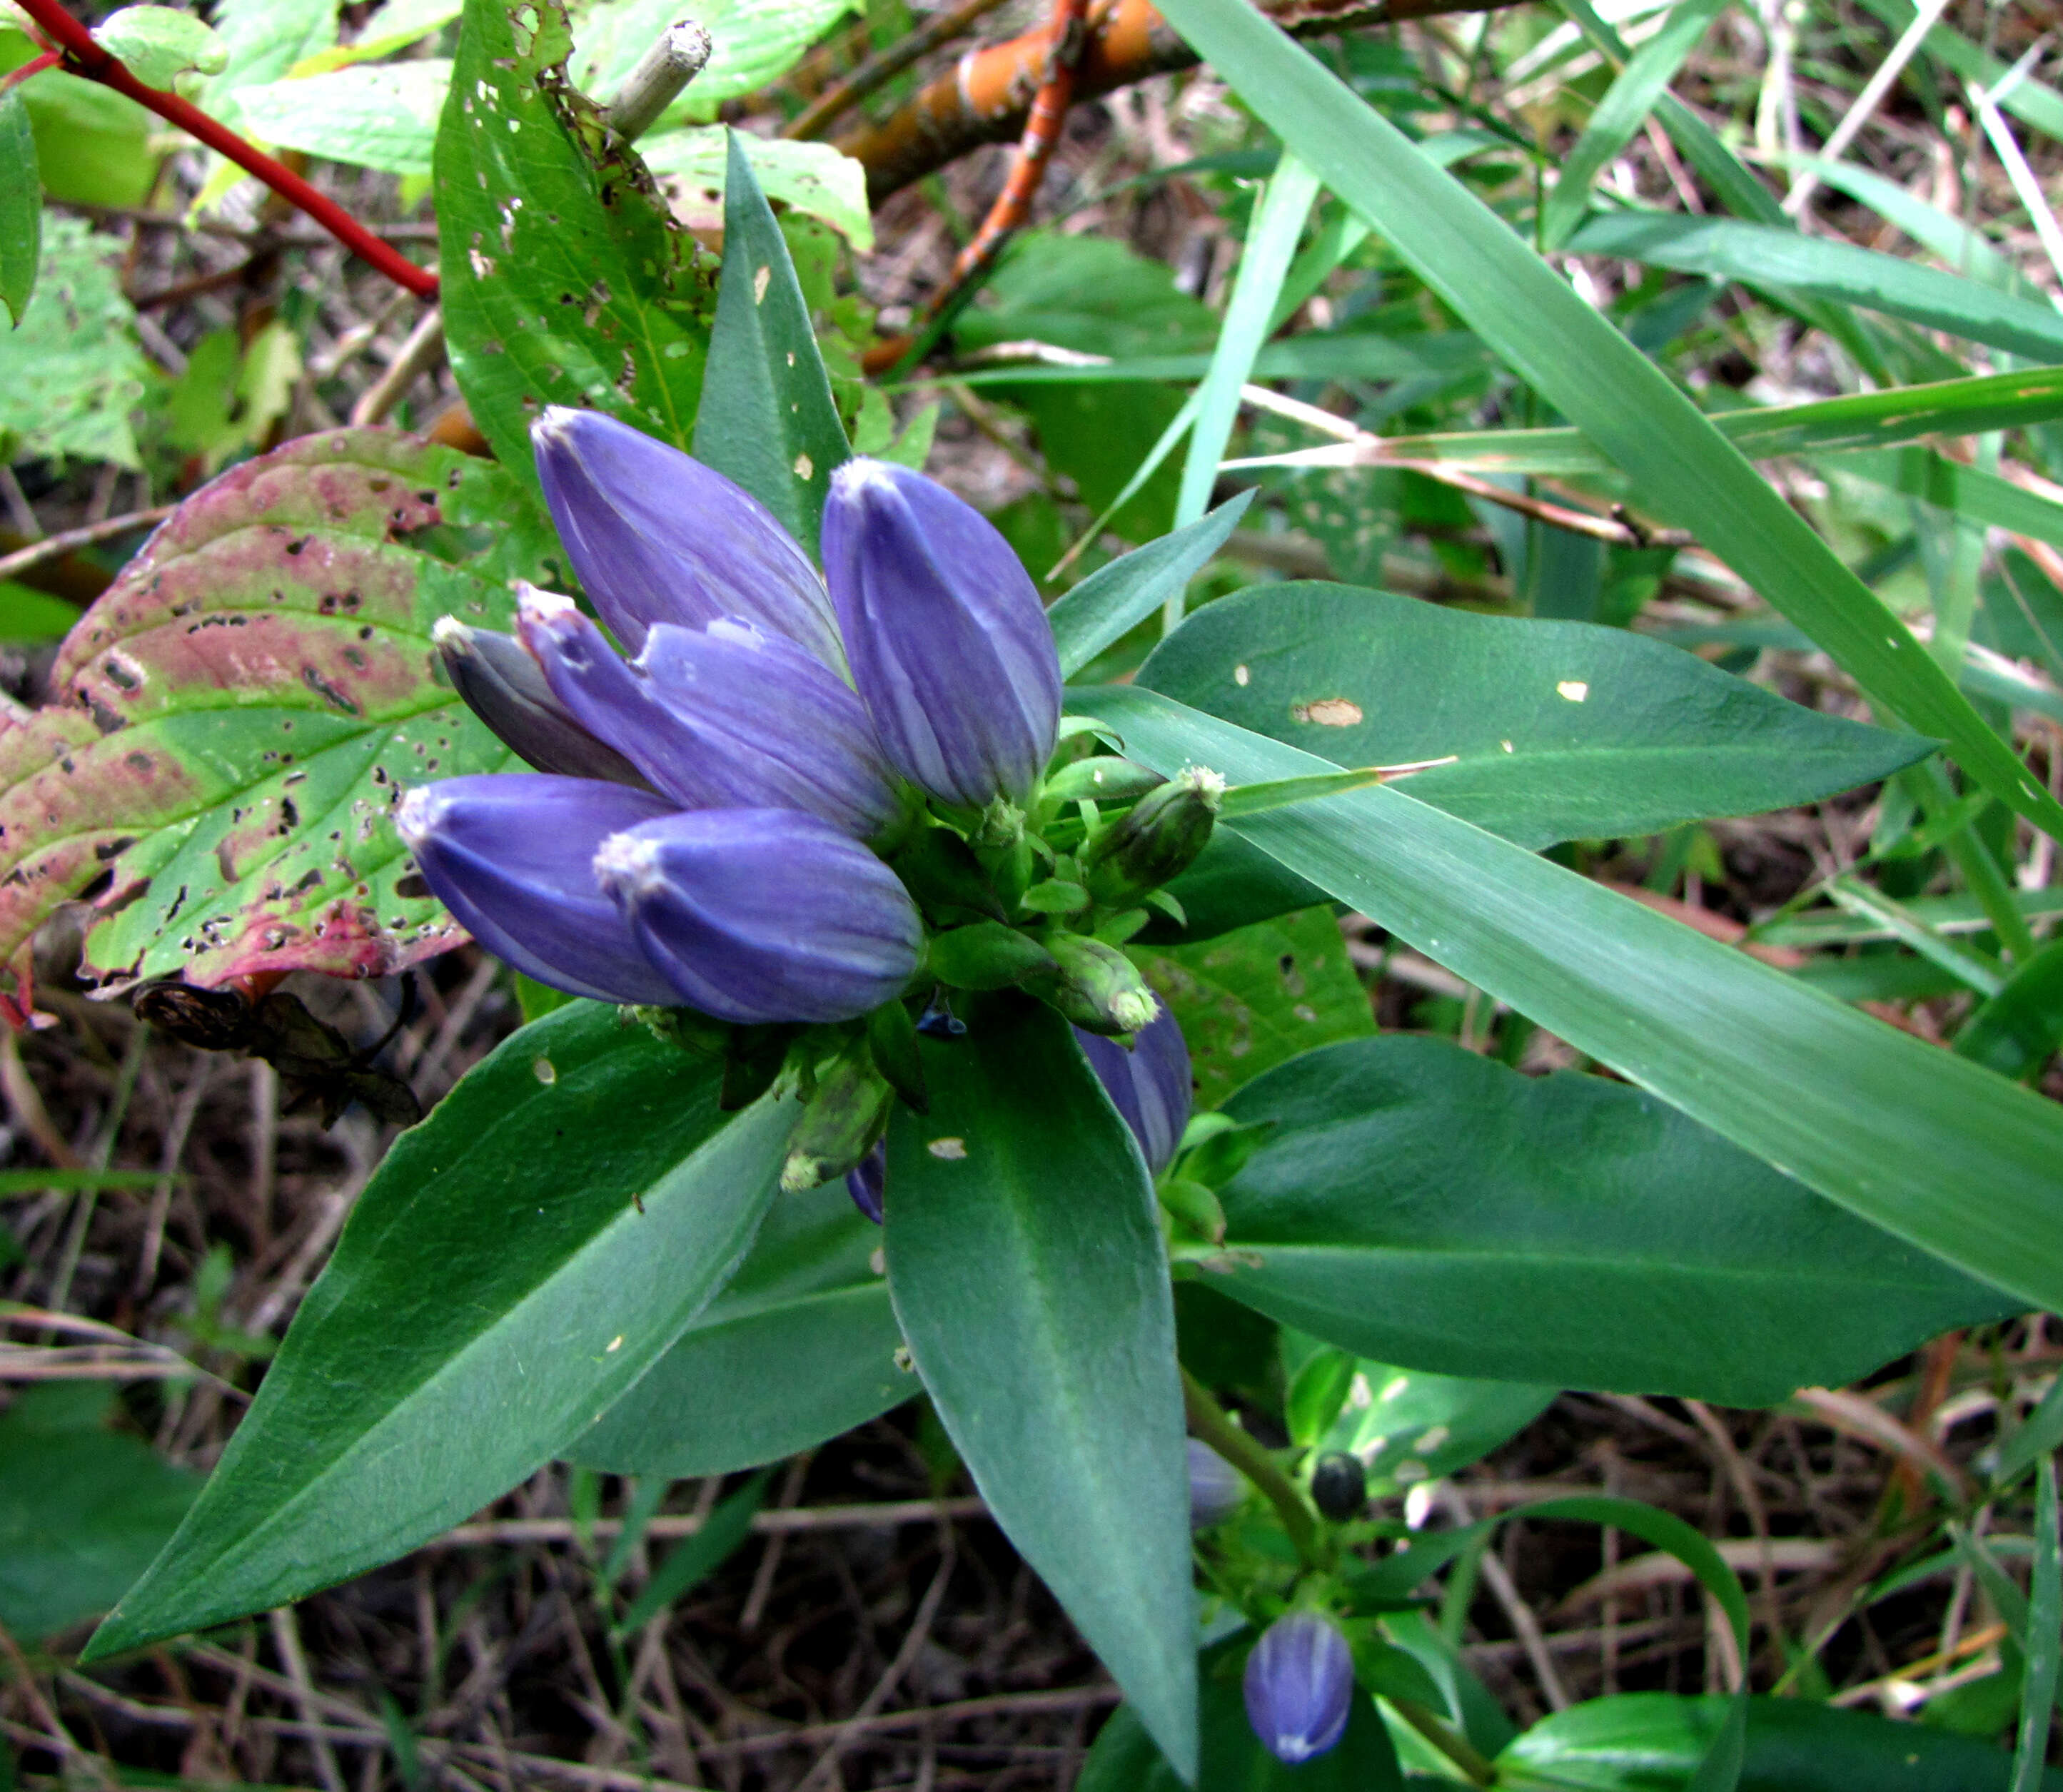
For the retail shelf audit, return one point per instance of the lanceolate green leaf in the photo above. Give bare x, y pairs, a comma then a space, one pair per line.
1924, 1144
565, 281
1642, 1740
515, 1264
1761, 254
1555, 730
1597, 378
801, 1345
1627, 103
1027, 1273
1115, 599
21, 208
1406, 1187
767, 418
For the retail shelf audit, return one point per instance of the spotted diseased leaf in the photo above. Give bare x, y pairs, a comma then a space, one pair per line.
240, 712
565, 278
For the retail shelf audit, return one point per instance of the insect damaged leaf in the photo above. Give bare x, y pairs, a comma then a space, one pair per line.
239, 714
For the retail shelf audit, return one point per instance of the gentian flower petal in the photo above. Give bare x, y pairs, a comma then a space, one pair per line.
657, 537
1216, 1490
505, 688
727, 717
511, 855
949, 643
1149, 1085
867, 1184
1299, 1686
763, 914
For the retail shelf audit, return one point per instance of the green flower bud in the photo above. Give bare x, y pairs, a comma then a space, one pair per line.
844, 1118
1156, 842
1095, 986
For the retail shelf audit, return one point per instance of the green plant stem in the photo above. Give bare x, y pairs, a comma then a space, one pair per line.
1973, 861
1449, 1741
1212, 1425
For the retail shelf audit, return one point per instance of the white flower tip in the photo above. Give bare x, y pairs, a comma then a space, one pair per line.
856, 475
534, 604
421, 811
628, 865
1133, 1009
554, 424
1209, 785
449, 635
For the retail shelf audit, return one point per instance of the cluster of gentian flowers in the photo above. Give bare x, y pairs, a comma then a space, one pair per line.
802, 805
784, 791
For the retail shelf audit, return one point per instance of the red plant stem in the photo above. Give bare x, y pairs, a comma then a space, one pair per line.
1035, 150
82, 56
49, 58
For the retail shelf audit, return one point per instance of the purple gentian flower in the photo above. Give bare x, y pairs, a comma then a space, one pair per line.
511, 855
657, 537
1149, 1085
763, 914
726, 717
1215, 1488
1299, 1687
949, 643
721, 865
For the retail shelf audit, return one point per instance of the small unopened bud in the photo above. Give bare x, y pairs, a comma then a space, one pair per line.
841, 1124
1339, 1485
1215, 1488
1095, 986
1155, 842
506, 689
1299, 1686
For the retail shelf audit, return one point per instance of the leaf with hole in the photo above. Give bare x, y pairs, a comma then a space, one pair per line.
565, 279
240, 713
1557, 731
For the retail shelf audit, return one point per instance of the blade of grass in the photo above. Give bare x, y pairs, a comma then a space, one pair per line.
1279, 216
1624, 108
1605, 385
2045, 1632
1763, 256
2032, 101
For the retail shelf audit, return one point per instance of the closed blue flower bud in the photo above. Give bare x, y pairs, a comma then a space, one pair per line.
1148, 1085
1299, 1686
512, 856
867, 1184
949, 643
505, 688
1216, 1490
657, 537
763, 914
730, 717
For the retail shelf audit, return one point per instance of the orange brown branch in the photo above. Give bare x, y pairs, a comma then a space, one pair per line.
988, 96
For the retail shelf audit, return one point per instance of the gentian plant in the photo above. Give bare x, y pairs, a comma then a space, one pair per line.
903, 1018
